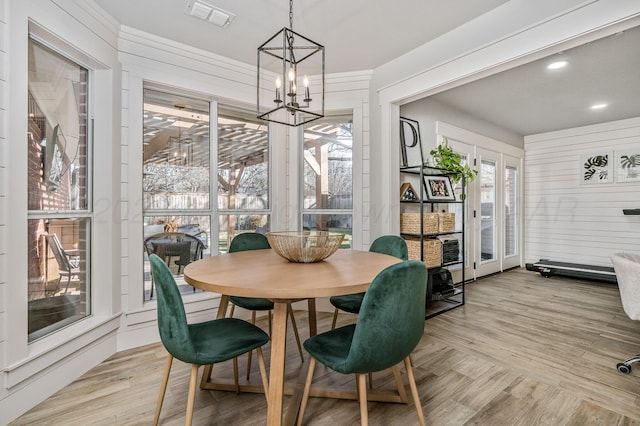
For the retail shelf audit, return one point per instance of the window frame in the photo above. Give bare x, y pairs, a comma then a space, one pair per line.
201, 212
238, 211
69, 53
354, 179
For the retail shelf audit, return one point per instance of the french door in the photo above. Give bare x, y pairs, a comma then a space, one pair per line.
512, 181
488, 220
493, 209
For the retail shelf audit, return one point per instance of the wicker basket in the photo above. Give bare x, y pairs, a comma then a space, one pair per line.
446, 222
304, 246
410, 223
432, 251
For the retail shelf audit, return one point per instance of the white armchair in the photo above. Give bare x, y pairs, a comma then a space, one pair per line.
627, 267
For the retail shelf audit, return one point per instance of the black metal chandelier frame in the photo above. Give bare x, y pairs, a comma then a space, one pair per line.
289, 106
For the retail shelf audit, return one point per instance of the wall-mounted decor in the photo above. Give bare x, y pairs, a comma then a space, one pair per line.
596, 167
627, 164
407, 193
438, 188
410, 143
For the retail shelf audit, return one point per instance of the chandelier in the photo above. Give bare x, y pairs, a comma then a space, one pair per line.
290, 78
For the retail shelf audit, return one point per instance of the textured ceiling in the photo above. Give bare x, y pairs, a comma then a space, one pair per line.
531, 99
363, 34
357, 34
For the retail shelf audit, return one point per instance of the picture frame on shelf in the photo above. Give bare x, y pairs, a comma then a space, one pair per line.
438, 188
596, 167
407, 193
627, 165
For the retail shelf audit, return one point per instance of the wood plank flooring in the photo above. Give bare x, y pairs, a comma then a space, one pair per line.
523, 350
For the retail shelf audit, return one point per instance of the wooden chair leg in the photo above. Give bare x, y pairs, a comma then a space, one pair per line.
370, 380
307, 389
235, 375
335, 318
206, 375
191, 399
295, 330
163, 388
263, 374
233, 308
402, 392
249, 355
414, 390
362, 396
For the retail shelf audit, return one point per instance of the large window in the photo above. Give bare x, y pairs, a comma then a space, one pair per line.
180, 218
243, 174
328, 175
176, 182
59, 216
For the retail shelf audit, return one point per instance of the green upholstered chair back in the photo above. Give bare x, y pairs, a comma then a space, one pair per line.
172, 320
249, 241
393, 245
391, 319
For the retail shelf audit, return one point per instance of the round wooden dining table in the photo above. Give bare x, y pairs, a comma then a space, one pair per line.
263, 273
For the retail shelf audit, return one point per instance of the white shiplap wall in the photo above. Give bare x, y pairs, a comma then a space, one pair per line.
566, 220
148, 58
3, 177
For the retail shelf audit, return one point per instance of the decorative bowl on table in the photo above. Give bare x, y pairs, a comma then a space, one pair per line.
304, 246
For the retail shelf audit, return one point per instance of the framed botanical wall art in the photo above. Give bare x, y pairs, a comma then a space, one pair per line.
596, 167
627, 165
438, 188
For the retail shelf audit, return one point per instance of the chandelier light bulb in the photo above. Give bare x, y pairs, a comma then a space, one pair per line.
292, 85
277, 99
305, 82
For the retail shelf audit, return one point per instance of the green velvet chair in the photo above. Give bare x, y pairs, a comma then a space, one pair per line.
392, 245
389, 327
204, 343
257, 241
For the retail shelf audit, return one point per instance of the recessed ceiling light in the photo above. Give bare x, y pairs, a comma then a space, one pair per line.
557, 65
599, 106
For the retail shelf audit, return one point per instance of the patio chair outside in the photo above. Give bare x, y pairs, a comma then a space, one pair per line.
67, 264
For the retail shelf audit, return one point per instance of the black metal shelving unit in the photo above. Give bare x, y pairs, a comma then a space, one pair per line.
438, 303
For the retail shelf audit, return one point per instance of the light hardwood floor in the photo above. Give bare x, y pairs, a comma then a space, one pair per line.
523, 350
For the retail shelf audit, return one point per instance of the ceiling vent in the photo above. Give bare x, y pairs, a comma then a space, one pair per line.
209, 12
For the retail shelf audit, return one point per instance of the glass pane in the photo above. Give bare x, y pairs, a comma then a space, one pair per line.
175, 152
243, 160
57, 132
510, 210
457, 210
233, 224
328, 163
334, 223
198, 227
487, 210
58, 274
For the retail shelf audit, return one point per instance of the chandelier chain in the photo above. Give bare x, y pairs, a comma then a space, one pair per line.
290, 39
291, 14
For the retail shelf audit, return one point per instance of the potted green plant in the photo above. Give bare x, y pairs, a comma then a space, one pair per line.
446, 158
